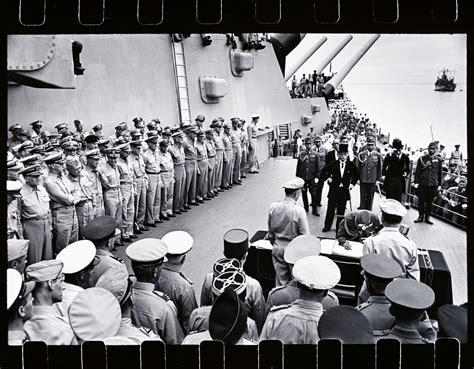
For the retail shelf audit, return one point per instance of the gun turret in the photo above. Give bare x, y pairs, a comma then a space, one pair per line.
323, 63
335, 81
292, 70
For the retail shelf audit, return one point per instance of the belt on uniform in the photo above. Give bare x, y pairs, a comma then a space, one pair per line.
165, 171
176, 164
111, 189
126, 183
38, 217
190, 159
64, 207
213, 156
150, 172
202, 159
83, 202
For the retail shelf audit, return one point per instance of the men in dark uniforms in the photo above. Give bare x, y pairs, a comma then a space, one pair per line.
369, 164
307, 168
395, 169
151, 308
341, 175
427, 182
409, 299
356, 226
172, 281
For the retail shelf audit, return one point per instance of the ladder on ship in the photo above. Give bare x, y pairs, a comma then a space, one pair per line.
181, 81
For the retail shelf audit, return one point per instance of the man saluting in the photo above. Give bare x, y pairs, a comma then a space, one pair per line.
341, 175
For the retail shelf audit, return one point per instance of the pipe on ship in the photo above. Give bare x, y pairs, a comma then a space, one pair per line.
283, 44
303, 58
323, 64
335, 81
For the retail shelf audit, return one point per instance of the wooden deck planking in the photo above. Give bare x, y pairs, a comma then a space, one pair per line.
247, 206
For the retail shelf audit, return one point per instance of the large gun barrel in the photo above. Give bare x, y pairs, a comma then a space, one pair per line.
292, 70
335, 81
323, 63
283, 44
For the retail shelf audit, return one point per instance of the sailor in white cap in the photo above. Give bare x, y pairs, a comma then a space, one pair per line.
390, 242
298, 248
19, 306
14, 229
78, 259
152, 309
46, 324
252, 132
236, 279
236, 246
286, 220
120, 285
297, 323
172, 281
94, 315
17, 251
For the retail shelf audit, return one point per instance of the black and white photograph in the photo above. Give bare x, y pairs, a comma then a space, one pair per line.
237, 187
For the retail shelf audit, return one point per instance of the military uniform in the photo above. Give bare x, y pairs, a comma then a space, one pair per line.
227, 161
179, 192
195, 338
203, 169
307, 168
211, 157
93, 176
128, 330
153, 196
84, 197
191, 171
252, 132
127, 189
106, 261
112, 196
236, 140
219, 145
369, 164
70, 291
141, 188
167, 177
14, 228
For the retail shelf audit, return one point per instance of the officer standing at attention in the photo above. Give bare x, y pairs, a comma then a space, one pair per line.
227, 163
369, 164
211, 157
298, 248
14, 228
179, 191
101, 231
252, 132
428, 178
286, 220
219, 145
141, 183
63, 201
119, 129
17, 251
19, 306
167, 177
127, 189
46, 324
322, 152
36, 216
245, 148
409, 300
236, 140
111, 185
91, 171
202, 168
172, 281
307, 168
153, 195
190, 165
297, 323
151, 308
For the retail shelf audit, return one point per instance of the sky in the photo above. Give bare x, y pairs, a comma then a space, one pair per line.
394, 58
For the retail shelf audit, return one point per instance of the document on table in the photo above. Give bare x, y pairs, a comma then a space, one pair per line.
263, 244
327, 246
355, 252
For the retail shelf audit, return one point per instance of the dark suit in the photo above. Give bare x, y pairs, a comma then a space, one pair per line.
428, 175
395, 171
338, 189
307, 169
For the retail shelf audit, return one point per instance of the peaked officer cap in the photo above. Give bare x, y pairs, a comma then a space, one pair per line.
100, 228
16, 287
317, 272
294, 184
393, 207
178, 242
380, 266
77, 256
300, 247
410, 294
147, 250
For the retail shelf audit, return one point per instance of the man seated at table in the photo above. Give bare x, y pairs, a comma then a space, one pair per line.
357, 226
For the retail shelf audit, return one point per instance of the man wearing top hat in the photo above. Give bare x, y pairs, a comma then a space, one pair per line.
152, 309
178, 156
428, 178
395, 169
17, 252
46, 324
286, 220
19, 306
92, 173
341, 175
141, 183
236, 245
297, 322
307, 168
14, 228
102, 231
172, 281
252, 132
63, 200
369, 164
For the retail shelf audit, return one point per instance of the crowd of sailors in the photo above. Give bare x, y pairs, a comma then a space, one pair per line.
310, 85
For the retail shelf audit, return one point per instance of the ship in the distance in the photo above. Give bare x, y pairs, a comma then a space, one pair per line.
445, 81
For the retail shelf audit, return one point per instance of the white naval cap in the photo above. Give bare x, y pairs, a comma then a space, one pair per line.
393, 207
294, 184
178, 242
302, 246
147, 250
14, 186
15, 286
95, 314
77, 256
317, 272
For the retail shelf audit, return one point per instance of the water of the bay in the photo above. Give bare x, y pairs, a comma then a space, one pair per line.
408, 110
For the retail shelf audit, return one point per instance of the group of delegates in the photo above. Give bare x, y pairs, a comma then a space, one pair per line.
310, 86
57, 183
392, 298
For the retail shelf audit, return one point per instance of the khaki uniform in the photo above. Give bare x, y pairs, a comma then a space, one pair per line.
253, 145
177, 154
112, 196
191, 171
46, 325
203, 170
410, 336
141, 182
128, 330
167, 177
97, 193
227, 165
236, 139
70, 291
84, 197
127, 184
219, 145
106, 261
14, 228
153, 195
211, 157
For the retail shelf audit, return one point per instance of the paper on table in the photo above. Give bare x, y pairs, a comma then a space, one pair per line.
327, 246
263, 244
356, 252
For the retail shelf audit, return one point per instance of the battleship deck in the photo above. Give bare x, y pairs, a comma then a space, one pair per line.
247, 207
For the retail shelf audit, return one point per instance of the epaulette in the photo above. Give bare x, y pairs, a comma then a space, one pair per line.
385, 332
276, 289
116, 258
163, 295
279, 307
364, 305
186, 278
